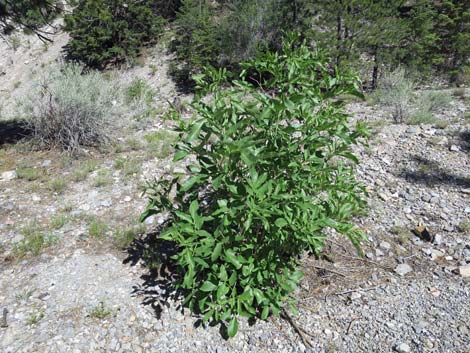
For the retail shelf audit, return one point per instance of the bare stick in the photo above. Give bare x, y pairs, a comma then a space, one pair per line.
300, 331
329, 270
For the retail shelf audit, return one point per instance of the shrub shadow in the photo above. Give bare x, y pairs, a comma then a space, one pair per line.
12, 131
464, 140
158, 281
431, 173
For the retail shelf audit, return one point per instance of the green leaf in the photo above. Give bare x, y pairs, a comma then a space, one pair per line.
222, 290
280, 222
184, 216
232, 328
180, 155
216, 253
193, 207
265, 313
188, 183
208, 315
223, 273
208, 286
232, 258
194, 132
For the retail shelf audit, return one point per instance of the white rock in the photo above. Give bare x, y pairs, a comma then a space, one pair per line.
383, 196
454, 148
46, 163
8, 175
435, 254
403, 348
179, 170
106, 203
85, 207
127, 199
438, 239
355, 296
385, 245
403, 269
464, 271
150, 220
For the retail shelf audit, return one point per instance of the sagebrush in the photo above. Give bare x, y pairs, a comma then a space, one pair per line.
273, 168
69, 108
396, 93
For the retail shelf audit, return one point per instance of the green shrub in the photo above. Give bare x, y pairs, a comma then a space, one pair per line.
97, 228
35, 241
433, 101
139, 90
251, 25
69, 109
273, 169
224, 33
424, 107
395, 93
110, 31
196, 43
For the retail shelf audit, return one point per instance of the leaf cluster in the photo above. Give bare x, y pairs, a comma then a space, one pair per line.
272, 169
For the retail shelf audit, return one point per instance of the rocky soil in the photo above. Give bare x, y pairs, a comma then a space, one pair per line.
66, 285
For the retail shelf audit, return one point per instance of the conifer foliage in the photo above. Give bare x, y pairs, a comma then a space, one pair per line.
110, 31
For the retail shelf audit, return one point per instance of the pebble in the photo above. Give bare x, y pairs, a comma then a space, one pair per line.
8, 175
402, 348
385, 245
383, 196
464, 271
106, 203
403, 269
355, 296
438, 239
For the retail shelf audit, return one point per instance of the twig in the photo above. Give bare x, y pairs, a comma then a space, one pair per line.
388, 268
300, 331
4, 322
351, 291
409, 257
350, 324
356, 290
329, 270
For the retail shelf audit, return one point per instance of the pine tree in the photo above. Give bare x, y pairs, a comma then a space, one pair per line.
28, 15
110, 31
453, 29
